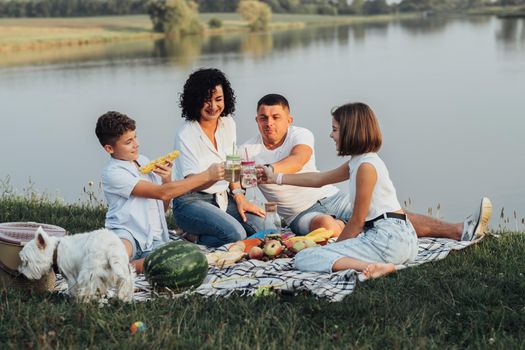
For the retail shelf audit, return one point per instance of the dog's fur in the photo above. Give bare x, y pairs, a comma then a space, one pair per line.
91, 262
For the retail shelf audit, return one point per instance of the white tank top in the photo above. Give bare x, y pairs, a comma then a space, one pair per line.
384, 198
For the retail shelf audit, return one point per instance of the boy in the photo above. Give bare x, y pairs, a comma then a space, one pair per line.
137, 202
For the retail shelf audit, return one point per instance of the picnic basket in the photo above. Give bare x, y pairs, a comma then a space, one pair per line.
13, 236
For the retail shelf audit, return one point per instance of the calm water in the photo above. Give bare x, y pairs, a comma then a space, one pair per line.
448, 94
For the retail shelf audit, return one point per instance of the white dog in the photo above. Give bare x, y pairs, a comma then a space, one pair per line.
91, 262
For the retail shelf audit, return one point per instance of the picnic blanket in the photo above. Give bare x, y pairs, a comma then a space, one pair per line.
251, 277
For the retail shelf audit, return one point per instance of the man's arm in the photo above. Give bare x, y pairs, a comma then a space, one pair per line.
295, 161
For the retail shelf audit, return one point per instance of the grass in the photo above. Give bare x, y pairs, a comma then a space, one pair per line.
472, 299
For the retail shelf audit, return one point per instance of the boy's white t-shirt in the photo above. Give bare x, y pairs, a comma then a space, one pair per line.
384, 197
292, 200
197, 152
131, 213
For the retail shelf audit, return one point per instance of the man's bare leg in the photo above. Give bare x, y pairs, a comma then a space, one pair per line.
370, 270
427, 226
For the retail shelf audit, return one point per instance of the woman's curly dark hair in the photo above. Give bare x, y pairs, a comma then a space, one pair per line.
199, 89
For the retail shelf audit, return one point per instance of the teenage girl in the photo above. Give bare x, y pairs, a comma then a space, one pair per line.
378, 235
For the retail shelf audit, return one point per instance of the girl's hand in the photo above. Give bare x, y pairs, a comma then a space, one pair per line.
265, 175
164, 171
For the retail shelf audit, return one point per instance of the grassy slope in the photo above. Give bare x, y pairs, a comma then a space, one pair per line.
472, 299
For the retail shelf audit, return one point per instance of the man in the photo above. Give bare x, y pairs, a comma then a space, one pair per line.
289, 149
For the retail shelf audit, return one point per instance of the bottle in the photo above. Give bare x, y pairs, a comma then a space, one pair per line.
248, 174
272, 221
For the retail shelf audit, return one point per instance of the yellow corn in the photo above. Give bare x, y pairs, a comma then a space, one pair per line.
320, 235
162, 160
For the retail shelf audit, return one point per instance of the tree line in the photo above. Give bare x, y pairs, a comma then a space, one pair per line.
70, 8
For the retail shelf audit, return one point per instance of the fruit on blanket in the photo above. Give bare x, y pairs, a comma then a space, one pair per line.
251, 242
272, 248
256, 253
298, 246
288, 244
309, 243
320, 235
177, 266
162, 160
237, 247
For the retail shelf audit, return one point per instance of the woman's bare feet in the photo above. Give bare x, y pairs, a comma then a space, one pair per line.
377, 270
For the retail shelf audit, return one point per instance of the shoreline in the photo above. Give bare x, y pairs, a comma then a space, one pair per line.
19, 35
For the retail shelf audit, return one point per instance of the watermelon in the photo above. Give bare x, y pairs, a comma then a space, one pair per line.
176, 265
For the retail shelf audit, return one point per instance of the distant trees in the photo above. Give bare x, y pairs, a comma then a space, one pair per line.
174, 17
68, 8
258, 14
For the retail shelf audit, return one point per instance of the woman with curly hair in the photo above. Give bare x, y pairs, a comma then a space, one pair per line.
217, 212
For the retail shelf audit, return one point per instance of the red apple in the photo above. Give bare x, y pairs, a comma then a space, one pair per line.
272, 248
256, 253
288, 244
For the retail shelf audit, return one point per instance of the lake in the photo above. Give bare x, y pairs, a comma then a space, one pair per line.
448, 94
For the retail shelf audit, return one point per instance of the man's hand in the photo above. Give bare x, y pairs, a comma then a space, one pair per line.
265, 174
245, 206
164, 171
216, 172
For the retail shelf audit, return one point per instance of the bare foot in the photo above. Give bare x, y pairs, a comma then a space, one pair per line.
378, 270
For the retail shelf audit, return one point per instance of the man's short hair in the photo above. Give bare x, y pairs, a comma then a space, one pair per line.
112, 125
273, 100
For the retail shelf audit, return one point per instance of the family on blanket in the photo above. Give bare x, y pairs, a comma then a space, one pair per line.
375, 233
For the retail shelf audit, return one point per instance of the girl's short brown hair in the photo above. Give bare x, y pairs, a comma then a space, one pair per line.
359, 130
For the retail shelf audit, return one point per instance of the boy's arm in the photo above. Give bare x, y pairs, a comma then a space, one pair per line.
167, 191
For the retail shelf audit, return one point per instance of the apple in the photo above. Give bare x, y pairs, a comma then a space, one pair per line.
256, 253
288, 244
298, 246
272, 248
237, 247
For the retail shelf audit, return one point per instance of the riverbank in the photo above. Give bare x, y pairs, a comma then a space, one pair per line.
471, 299
29, 34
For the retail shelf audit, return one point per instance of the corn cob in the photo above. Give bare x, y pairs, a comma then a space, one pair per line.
162, 160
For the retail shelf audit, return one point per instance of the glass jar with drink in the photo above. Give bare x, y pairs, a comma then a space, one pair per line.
232, 168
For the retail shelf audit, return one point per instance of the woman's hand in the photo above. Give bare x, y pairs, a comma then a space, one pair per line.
216, 172
265, 175
164, 171
245, 206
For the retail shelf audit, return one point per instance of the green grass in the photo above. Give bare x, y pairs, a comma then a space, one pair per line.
472, 299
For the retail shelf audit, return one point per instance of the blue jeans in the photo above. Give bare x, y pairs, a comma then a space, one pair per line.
198, 214
136, 250
389, 241
338, 206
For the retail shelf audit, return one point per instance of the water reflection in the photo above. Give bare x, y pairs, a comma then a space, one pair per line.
512, 33
187, 50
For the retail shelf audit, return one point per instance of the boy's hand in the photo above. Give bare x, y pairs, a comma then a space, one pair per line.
265, 175
216, 171
164, 171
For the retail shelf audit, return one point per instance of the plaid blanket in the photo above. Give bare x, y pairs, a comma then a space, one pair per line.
252, 277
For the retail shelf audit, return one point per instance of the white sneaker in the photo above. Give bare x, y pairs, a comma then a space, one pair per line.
475, 225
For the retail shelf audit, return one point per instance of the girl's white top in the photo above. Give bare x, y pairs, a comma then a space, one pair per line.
384, 198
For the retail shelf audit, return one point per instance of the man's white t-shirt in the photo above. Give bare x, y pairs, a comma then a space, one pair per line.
197, 152
291, 200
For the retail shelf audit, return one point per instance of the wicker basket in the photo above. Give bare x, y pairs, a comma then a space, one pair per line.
13, 236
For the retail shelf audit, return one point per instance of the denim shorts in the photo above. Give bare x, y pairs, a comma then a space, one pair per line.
338, 206
136, 251
388, 241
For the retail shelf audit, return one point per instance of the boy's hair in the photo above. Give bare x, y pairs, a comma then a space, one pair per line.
359, 130
112, 125
199, 88
273, 100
